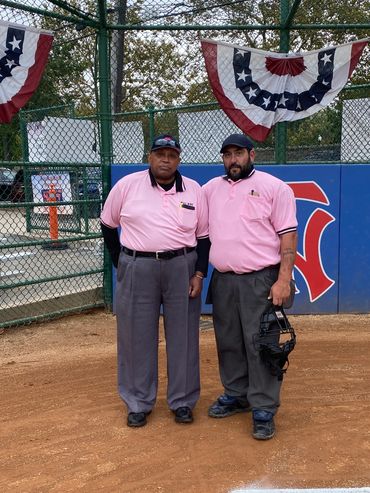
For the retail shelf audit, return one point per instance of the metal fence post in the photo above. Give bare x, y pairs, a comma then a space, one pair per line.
105, 118
151, 112
281, 128
25, 158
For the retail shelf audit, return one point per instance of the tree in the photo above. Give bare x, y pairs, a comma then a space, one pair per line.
165, 68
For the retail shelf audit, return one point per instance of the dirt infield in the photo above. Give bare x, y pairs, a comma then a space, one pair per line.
63, 425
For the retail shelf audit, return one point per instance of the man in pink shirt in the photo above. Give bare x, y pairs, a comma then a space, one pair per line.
252, 229
161, 256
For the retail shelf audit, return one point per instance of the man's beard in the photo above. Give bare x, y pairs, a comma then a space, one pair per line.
243, 171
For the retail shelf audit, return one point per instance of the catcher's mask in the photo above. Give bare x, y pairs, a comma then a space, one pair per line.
276, 339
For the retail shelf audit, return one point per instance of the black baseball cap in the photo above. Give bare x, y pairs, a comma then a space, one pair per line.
238, 140
165, 141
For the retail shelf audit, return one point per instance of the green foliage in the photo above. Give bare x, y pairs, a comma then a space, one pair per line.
10, 141
324, 128
166, 68
154, 73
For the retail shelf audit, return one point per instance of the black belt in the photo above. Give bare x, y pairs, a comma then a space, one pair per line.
159, 255
272, 267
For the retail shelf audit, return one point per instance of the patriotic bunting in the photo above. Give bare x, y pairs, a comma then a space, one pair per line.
23, 55
257, 89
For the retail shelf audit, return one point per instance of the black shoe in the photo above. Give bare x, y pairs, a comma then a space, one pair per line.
227, 405
183, 415
263, 430
135, 420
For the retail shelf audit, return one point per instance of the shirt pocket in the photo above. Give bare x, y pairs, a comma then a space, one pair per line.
187, 218
254, 208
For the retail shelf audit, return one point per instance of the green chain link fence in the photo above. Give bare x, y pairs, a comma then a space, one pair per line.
108, 60
50, 246
335, 135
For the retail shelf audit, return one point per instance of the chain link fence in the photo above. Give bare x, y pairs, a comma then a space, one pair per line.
338, 134
51, 251
119, 73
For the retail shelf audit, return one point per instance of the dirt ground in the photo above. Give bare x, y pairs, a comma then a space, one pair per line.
63, 427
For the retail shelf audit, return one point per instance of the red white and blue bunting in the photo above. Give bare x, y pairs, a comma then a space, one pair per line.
23, 55
258, 89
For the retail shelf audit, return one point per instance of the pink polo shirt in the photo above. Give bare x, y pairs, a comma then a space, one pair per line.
153, 219
245, 220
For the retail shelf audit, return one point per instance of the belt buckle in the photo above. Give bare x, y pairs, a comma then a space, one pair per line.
157, 257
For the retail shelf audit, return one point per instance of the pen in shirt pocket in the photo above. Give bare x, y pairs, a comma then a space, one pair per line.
187, 206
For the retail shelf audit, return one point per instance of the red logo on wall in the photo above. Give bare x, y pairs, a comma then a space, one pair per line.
309, 263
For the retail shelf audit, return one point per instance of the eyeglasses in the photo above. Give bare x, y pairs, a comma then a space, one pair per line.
165, 142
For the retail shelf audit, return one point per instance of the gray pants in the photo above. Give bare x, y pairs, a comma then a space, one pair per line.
238, 303
143, 285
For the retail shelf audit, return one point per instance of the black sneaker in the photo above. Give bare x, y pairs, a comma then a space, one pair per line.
135, 420
183, 415
227, 405
263, 430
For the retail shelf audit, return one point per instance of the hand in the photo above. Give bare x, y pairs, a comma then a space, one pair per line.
195, 286
280, 292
